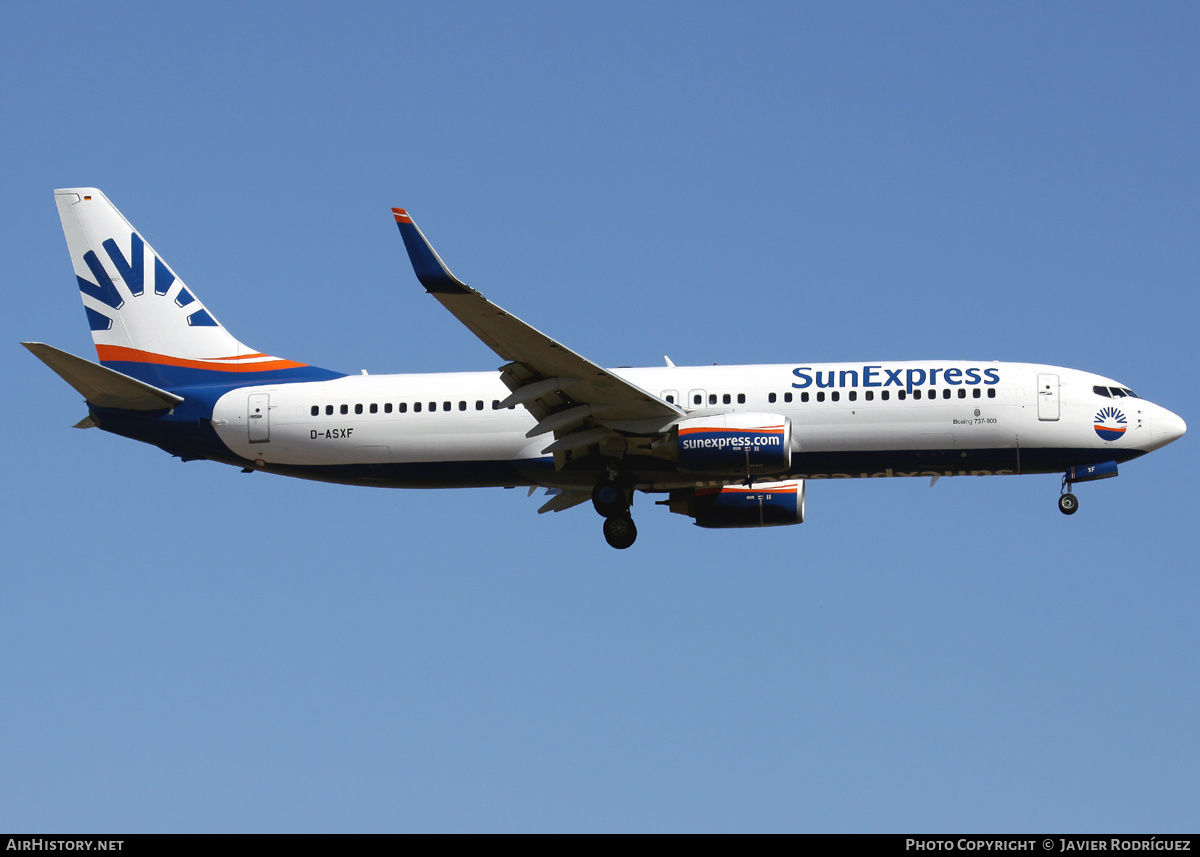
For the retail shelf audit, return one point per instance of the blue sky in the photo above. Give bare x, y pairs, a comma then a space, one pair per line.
184, 647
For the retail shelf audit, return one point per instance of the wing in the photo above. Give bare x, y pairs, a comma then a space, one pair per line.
567, 393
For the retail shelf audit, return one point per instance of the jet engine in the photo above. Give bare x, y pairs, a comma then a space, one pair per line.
765, 504
743, 444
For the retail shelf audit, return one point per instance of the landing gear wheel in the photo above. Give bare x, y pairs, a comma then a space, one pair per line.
610, 500
1068, 504
619, 531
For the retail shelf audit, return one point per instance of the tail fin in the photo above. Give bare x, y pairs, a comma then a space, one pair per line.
146, 323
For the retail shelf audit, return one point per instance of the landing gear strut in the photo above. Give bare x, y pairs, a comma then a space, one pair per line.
611, 500
1068, 503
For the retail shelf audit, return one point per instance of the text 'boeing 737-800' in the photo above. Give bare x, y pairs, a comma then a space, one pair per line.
729, 446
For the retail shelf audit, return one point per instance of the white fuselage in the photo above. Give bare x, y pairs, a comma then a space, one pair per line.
846, 418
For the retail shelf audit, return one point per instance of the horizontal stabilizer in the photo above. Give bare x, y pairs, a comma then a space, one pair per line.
101, 386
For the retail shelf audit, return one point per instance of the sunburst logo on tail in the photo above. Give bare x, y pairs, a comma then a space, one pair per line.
132, 273
1110, 424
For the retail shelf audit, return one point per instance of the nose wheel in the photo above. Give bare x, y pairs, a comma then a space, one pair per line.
611, 501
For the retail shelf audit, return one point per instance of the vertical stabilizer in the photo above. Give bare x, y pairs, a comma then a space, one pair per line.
145, 322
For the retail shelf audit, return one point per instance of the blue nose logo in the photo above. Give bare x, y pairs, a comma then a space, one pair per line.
1110, 424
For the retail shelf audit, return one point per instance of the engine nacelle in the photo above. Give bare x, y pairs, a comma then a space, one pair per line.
742, 444
767, 504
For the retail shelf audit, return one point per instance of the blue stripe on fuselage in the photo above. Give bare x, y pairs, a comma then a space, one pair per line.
169, 377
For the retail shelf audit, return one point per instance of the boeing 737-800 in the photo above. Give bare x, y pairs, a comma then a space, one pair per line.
729, 446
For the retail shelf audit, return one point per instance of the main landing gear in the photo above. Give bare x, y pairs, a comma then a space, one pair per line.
1068, 503
611, 501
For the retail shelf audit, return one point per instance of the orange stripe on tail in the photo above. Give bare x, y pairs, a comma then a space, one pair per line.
119, 353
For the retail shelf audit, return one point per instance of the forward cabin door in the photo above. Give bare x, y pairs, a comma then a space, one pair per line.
258, 406
1047, 397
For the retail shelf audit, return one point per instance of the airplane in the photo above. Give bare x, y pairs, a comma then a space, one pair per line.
728, 446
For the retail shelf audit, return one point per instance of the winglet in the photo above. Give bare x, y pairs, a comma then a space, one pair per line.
427, 264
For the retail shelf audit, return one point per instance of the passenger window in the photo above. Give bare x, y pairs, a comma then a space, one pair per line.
787, 397
916, 394
803, 396
345, 409
853, 395
821, 397
446, 405
1101, 391
374, 408
670, 399
462, 406
402, 407
741, 398
358, 409
495, 404
712, 398
416, 407
387, 407
771, 398
975, 394
903, 394
962, 392
991, 392
479, 404
329, 410
946, 393
870, 395
885, 394
835, 395
316, 410
696, 400
433, 407
726, 399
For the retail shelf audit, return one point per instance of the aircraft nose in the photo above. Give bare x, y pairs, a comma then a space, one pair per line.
1167, 427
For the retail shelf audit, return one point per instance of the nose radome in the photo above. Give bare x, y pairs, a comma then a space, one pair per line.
1167, 426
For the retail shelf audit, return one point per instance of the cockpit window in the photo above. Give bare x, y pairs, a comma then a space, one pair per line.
1130, 393
1101, 391
1117, 392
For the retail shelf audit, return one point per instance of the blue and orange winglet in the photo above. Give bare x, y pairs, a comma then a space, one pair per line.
427, 264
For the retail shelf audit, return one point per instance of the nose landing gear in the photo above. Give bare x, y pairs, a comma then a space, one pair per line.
611, 500
1068, 503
